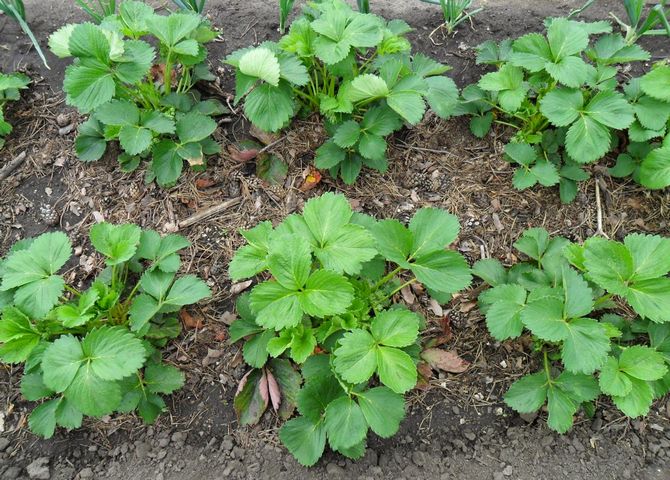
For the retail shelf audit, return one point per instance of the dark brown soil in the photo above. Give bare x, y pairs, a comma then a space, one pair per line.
459, 428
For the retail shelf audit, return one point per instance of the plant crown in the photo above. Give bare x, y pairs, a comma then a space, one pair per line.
356, 70
144, 101
327, 308
575, 301
96, 351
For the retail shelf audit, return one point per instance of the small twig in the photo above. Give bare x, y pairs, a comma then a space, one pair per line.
270, 145
599, 211
208, 212
12, 165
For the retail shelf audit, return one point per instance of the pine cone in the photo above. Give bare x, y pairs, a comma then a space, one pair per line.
47, 214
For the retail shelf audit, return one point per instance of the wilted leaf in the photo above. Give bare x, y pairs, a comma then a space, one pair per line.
312, 179
444, 360
244, 151
236, 288
203, 183
251, 399
190, 321
275, 393
271, 169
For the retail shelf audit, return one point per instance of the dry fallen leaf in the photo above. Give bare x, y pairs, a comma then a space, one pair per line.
435, 307
275, 393
243, 155
203, 183
467, 306
240, 287
445, 360
211, 356
228, 317
190, 321
407, 295
312, 179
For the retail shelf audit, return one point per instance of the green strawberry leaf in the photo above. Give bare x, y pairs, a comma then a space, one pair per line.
383, 410
305, 439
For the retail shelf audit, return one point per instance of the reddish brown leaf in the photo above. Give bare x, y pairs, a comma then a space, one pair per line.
203, 183
243, 382
444, 360
425, 371
263, 388
221, 335
275, 393
312, 179
190, 321
242, 155
445, 323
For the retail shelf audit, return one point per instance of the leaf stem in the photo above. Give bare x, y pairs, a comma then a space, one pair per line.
72, 290
400, 288
388, 277
547, 367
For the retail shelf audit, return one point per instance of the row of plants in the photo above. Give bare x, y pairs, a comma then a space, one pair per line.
325, 332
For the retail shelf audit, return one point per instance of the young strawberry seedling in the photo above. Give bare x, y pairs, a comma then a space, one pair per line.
328, 309
574, 301
96, 351
138, 95
354, 69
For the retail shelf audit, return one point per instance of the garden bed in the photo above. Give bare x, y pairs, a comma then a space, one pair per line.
458, 426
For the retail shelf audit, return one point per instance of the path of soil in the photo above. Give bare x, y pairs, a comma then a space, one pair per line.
457, 429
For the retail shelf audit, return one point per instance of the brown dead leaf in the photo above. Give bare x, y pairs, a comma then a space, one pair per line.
445, 323
243, 155
407, 295
465, 307
228, 317
445, 360
211, 356
203, 183
220, 334
275, 393
312, 179
240, 287
435, 307
264, 137
190, 321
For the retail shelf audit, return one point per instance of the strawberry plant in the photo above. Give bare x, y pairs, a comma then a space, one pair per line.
10, 84
558, 92
96, 351
647, 157
325, 305
575, 302
354, 69
137, 96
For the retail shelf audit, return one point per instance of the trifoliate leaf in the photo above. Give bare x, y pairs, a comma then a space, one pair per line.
528, 394
326, 293
503, 318
508, 82
290, 260
276, 306
586, 346
186, 290
432, 229
578, 296
544, 317
88, 84
651, 255
112, 353
329, 155
345, 423
92, 395
194, 127
356, 357
117, 242
394, 240
396, 369
163, 378
406, 98
305, 439
395, 328
612, 380
42, 420
638, 401
367, 87
655, 169
491, 271
643, 363
561, 409
173, 28
442, 95
347, 134
383, 410
251, 259
609, 264
657, 83
442, 270
303, 343
61, 361
135, 139
59, 41
33, 388
381, 120
90, 143
268, 107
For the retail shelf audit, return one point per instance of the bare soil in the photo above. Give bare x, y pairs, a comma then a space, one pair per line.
458, 428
